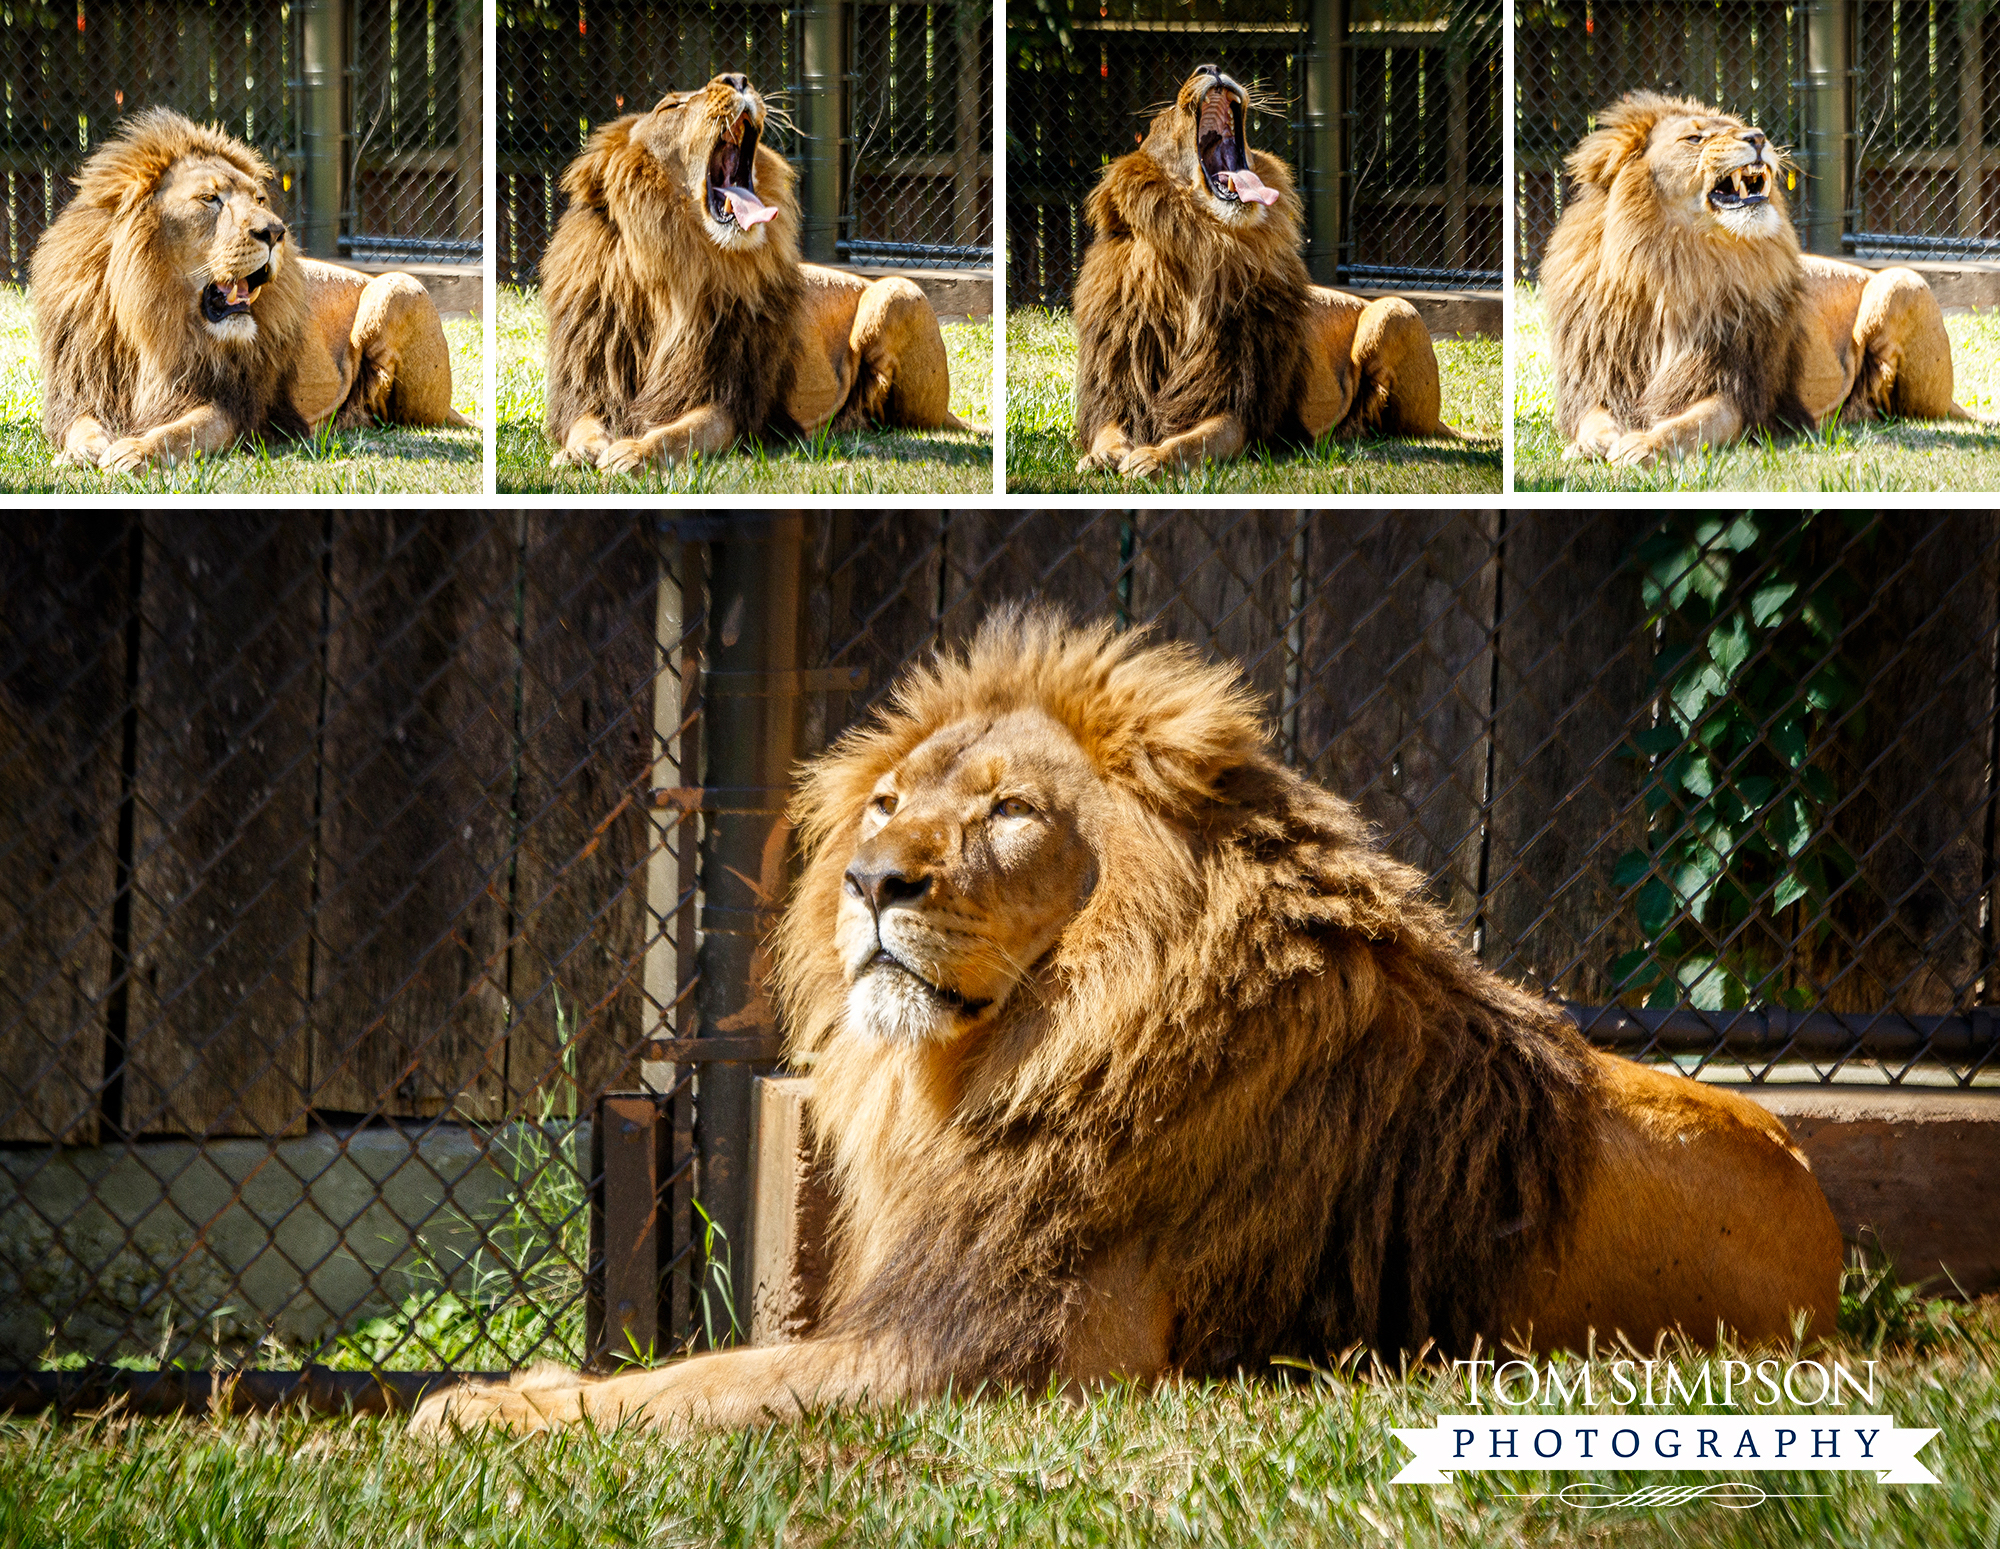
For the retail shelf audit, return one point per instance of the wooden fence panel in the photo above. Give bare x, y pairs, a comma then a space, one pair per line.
63, 607
222, 886
411, 980
589, 602
1065, 559
1223, 580
1574, 660
1397, 677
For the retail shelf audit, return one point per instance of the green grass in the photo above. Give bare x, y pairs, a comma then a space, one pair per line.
378, 460
1299, 1462
1913, 455
867, 462
1041, 432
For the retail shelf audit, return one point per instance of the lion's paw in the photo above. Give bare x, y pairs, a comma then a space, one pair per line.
626, 456
472, 1406
128, 454
1577, 452
1633, 449
1142, 462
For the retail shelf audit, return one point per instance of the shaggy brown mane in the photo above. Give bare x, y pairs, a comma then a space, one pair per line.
1258, 1049
630, 240
1619, 276
1157, 262
117, 337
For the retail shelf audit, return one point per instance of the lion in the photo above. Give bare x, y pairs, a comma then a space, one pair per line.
176, 316
1199, 332
1134, 1056
1682, 314
680, 316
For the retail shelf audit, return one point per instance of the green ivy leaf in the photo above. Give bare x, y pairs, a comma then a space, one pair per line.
1768, 601
1632, 868
1656, 906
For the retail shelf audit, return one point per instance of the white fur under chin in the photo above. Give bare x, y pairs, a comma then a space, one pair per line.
1236, 212
1752, 222
895, 1008
240, 330
732, 238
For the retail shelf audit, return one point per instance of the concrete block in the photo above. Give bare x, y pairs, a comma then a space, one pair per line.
1917, 1167
1450, 313
954, 294
454, 287
791, 1225
1960, 284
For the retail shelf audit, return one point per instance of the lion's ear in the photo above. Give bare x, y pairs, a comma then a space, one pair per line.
1621, 133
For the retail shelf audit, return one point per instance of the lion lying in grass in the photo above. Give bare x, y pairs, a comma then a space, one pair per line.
1200, 333
1682, 313
1134, 1055
680, 317
176, 316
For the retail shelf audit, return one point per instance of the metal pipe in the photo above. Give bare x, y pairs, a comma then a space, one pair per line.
1826, 124
317, 1390
1772, 1030
321, 119
825, 91
753, 739
1326, 108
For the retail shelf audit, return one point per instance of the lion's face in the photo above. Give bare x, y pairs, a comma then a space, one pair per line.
223, 237
1202, 144
1715, 171
707, 141
974, 852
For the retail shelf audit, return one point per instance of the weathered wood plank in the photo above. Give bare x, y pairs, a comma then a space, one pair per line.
228, 694
63, 607
589, 602
1067, 559
410, 976
1397, 680
879, 577
1222, 581
1573, 675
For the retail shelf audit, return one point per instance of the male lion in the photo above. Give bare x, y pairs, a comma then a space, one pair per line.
1199, 332
175, 316
1135, 1055
1683, 314
680, 317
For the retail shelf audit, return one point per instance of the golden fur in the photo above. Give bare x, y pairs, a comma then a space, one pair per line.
134, 370
1683, 313
1200, 333
1135, 1055
675, 329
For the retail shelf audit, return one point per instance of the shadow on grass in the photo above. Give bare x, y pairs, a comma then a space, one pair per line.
445, 460
912, 461
1044, 462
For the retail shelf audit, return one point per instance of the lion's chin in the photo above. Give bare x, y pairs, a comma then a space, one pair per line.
896, 1009
733, 238
237, 332
1753, 223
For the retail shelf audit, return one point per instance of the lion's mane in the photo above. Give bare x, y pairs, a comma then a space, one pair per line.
1618, 276
118, 338
1180, 317
1258, 1050
648, 318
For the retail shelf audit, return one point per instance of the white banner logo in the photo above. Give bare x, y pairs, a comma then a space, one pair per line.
1682, 1443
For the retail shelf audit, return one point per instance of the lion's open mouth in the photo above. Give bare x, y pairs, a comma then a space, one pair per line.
1740, 187
232, 298
1219, 144
944, 997
732, 187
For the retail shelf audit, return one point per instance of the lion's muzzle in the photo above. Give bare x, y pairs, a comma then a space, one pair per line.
232, 298
732, 174
1748, 184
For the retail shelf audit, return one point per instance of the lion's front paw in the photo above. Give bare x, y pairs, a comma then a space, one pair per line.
1141, 462
1633, 449
1097, 462
1577, 452
128, 454
474, 1406
626, 456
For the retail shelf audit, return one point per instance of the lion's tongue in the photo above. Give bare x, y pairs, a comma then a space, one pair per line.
1250, 186
748, 209
236, 293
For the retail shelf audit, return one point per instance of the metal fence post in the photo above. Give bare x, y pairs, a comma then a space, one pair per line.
825, 80
322, 121
751, 696
1326, 118
1826, 123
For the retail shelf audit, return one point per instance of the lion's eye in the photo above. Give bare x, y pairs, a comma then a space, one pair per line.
1013, 807
214, 199
884, 804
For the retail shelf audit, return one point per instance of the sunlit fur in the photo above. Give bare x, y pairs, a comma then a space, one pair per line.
1187, 306
1653, 302
653, 310
116, 283
1256, 1047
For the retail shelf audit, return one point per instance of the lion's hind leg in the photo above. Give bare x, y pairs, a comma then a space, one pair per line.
903, 378
405, 373
1905, 353
1397, 372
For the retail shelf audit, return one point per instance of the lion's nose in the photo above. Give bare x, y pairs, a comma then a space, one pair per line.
739, 82
1754, 138
879, 889
274, 233
1206, 70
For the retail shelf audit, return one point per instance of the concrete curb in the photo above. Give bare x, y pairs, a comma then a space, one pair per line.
956, 295
454, 287
1463, 313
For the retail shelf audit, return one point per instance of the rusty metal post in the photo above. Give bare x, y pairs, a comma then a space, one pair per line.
628, 1146
751, 687
322, 121
1326, 109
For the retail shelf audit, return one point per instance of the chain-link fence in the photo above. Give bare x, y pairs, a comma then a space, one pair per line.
1884, 105
380, 894
1389, 114
890, 125
367, 111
